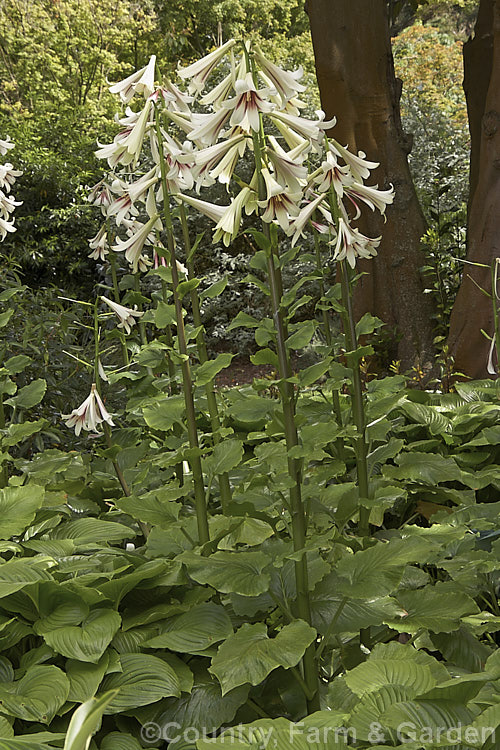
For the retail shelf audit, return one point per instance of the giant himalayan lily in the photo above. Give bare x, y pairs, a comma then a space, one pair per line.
134, 244
5, 145
89, 415
200, 70
99, 244
5, 226
142, 81
350, 244
126, 315
248, 104
285, 82
8, 176
279, 204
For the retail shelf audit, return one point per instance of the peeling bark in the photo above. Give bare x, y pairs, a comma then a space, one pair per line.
355, 71
472, 310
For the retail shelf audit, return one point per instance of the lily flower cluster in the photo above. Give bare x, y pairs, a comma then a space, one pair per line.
254, 107
8, 176
89, 415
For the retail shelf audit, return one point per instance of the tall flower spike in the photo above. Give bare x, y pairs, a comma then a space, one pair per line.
200, 70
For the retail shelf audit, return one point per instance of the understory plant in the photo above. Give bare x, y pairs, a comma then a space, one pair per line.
306, 559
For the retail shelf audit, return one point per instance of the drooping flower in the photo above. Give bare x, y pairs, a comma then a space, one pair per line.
99, 244
248, 103
6, 226
8, 176
142, 81
279, 204
299, 223
126, 315
285, 82
7, 205
208, 126
218, 160
89, 415
200, 70
288, 166
140, 234
311, 130
351, 244
359, 165
100, 195
228, 225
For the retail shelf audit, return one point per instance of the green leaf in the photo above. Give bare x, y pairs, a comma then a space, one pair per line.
424, 468
302, 336
429, 416
311, 374
120, 741
204, 707
86, 720
194, 631
187, 286
249, 531
92, 531
432, 608
85, 678
37, 696
16, 433
214, 290
18, 573
229, 572
18, 363
18, 506
243, 320
29, 396
226, 456
165, 315
156, 507
250, 655
145, 679
165, 413
6, 316
265, 356
88, 642
206, 372
377, 571
368, 324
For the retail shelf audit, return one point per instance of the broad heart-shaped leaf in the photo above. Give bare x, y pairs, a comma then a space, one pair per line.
226, 456
145, 679
250, 655
207, 371
85, 678
205, 709
18, 573
415, 674
377, 571
18, 506
196, 630
94, 531
29, 396
163, 414
433, 608
120, 741
157, 507
281, 734
370, 710
413, 717
424, 468
85, 721
88, 642
16, 433
229, 572
37, 696
302, 335
249, 531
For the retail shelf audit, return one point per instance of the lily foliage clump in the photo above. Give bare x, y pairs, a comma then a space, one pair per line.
307, 560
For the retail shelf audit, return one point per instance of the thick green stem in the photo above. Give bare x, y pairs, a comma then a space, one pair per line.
4, 477
179, 470
213, 410
358, 409
187, 384
299, 524
116, 294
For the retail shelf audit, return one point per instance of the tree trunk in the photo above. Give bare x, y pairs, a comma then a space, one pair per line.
472, 310
357, 84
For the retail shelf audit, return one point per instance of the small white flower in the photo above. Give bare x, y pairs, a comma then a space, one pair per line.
89, 415
126, 315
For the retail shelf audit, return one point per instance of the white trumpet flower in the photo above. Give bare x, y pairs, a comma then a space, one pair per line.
89, 415
140, 82
126, 315
200, 70
285, 82
248, 103
350, 244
